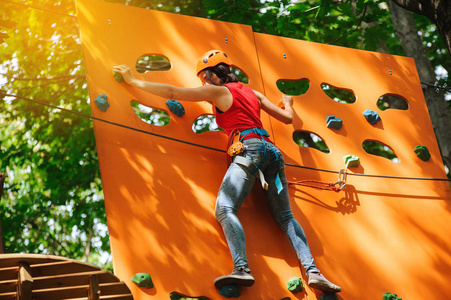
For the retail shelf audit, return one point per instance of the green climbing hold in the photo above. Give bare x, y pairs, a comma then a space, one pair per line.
229, 291
388, 296
422, 152
294, 284
102, 102
176, 107
143, 280
119, 78
328, 296
351, 161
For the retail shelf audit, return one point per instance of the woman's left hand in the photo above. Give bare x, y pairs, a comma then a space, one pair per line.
126, 73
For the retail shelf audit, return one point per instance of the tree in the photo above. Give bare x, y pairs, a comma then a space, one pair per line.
438, 11
405, 30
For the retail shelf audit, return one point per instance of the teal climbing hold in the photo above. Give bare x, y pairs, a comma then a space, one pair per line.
119, 78
229, 291
102, 102
328, 296
143, 280
371, 116
333, 122
294, 284
422, 152
389, 296
351, 161
176, 107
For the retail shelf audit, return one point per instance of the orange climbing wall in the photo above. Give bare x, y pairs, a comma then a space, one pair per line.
377, 235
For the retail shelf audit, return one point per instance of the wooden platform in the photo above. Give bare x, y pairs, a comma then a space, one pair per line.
35, 276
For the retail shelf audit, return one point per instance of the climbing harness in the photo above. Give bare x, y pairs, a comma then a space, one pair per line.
235, 146
321, 185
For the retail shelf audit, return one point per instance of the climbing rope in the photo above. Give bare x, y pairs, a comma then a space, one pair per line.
336, 185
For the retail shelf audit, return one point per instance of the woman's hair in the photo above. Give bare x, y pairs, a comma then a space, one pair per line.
223, 73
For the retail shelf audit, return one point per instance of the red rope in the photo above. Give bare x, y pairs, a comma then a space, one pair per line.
328, 186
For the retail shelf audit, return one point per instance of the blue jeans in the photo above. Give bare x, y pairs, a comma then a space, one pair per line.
236, 186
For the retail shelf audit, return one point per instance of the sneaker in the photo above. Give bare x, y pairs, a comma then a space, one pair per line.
238, 277
319, 282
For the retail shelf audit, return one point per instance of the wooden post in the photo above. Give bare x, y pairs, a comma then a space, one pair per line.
94, 291
25, 282
2, 244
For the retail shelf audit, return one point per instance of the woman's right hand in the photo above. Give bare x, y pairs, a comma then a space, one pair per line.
287, 101
126, 73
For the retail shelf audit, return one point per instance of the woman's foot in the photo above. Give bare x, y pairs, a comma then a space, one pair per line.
319, 282
239, 276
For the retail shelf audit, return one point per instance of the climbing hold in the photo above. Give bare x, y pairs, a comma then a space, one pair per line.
229, 291
143, 280
176, 107
328, 296
119, 78
101, 102
422, 152
388, 296
371, 116
333, 122
351, 161
294, 284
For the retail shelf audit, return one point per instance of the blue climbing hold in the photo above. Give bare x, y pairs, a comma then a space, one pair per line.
422, 152
371, 116
294, 284
176, 107
102, 102
229, 291
143, 280
328, 296
333, 122
351, 161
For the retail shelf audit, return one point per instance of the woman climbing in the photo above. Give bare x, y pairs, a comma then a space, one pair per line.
237, 111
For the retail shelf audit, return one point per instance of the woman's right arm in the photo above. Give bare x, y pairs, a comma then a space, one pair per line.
219, 95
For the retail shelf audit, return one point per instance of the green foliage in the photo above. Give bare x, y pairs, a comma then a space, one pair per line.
52, 201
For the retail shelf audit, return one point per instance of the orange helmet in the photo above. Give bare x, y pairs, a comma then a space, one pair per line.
211, 59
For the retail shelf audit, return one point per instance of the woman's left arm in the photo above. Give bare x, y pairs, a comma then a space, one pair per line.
284, 115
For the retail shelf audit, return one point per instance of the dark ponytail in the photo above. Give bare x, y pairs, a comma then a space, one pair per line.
223, 73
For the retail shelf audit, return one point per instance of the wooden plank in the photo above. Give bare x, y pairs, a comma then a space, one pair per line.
25, 282
8, 286
11, 260
62, 293
62, 267
76, 279
8, 273
114, 288
8, 296
117, 297
94, 291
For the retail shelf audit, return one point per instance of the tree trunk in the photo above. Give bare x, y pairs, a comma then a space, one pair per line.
407, 33
438, 11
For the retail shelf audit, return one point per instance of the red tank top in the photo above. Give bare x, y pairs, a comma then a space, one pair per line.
244, 112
